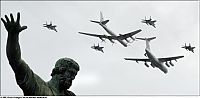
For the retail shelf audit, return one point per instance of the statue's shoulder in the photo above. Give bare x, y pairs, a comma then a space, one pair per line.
39, 80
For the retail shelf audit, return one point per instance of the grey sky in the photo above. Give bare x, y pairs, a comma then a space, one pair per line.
107, 73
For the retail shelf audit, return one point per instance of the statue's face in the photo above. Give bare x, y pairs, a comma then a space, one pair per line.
66, 77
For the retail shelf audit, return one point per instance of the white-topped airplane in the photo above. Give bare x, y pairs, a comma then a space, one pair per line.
155, 62
113, 36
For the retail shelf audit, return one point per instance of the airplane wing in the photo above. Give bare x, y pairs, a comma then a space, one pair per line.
154, 25
120, 37
95, 35
127, 35
136, 59
169, 58
53, 26
55, 30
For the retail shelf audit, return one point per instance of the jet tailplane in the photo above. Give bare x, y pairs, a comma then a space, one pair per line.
102, 22
147, 41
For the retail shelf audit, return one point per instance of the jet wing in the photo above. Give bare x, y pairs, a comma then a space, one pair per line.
154, 25
169, 58
120, 37
136, 59
125, 36
95, 35
53, 26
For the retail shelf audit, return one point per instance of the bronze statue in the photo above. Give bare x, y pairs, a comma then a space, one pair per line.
32, 85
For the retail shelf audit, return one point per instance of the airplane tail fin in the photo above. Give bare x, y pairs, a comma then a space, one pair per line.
102, 21
147, 41
101, 17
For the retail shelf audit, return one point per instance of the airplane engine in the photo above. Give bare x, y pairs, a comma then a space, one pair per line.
171, 63
109, 38
145, 54
152, 65
167, 64
146, 64
102, 40
111, 41
127, 40
132, 38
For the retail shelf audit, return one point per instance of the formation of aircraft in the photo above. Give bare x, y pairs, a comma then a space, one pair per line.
149, 22
120, 37
50, 26
188, 48
97, 48
155, 62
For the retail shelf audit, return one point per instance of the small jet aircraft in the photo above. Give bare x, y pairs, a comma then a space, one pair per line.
97, 48
113, 36
149, 22
188, 48
155, 62
50, 26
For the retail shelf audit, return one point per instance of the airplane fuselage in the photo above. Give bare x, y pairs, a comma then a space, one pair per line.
113, 34
155, 62
97, 48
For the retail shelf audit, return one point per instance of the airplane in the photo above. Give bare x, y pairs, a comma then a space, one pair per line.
113, 36
188, 48
97, 48
50, 26
155, 62
149, 22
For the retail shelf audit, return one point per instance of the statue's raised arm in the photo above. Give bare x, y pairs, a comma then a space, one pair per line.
62, 75
12, 48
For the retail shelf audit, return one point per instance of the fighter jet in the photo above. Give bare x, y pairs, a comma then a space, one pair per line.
149, 22
50, 26
189, 48
97, 48
113, 36
155, 62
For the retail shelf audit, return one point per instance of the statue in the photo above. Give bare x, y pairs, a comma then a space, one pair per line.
32, 85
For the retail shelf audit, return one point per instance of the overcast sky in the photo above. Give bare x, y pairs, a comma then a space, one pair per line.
107, 73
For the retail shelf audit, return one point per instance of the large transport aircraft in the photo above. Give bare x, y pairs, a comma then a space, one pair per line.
113, 36
155, 62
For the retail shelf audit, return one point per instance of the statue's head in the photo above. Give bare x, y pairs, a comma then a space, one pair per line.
65, 69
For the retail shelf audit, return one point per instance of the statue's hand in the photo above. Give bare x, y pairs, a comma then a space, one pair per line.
13, 28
